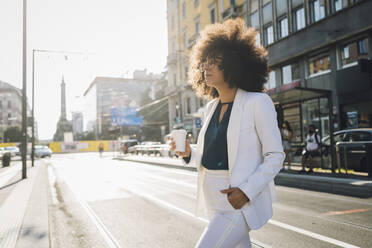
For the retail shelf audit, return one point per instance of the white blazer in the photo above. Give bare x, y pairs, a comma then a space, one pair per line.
255, 154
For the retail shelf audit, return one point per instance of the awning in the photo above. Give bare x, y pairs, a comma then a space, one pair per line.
297, 94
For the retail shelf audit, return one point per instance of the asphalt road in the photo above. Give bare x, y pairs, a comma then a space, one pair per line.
100, 202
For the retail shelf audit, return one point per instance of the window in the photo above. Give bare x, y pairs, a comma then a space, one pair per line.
174, 79
267, 13
9, 104
201, 102
196, 3
232, 2
283, 28
317, 10
271, 83
298, 19
1, 104
360, 136
186, 71
213, 15
290, 73
188, 105
319, 64
258, 39
221, 6
184, 39
335, 5
255, 21
268, 35
354, 51
9, 115
184, 10
197, 27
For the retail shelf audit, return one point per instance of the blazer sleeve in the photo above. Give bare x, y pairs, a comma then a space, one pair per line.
272, 149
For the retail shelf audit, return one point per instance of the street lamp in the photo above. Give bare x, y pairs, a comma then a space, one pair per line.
33, 91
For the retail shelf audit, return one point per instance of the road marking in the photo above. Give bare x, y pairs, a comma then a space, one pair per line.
350, 211
312, 234
321, 195
273, 222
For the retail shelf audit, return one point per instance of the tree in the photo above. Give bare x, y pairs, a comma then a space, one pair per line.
13, 134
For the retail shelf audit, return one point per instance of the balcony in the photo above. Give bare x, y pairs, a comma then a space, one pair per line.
233, 11
192, 41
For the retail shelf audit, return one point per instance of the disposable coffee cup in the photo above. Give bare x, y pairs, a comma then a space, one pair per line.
179, 137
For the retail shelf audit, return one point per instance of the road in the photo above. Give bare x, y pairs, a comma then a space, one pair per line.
101, 202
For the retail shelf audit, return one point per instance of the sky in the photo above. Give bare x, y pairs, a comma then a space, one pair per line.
113, 37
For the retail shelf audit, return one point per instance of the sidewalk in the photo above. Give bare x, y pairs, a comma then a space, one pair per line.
24, 207
331, 183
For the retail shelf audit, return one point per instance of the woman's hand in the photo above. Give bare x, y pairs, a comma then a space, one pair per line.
236, 197
185, 154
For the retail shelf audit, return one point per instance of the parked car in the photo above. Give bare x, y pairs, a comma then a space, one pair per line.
126, 144
42, 152
2, 151
358, 145
13, 150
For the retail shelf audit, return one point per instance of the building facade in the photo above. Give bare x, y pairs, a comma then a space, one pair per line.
77, 122
315, 51
11, 109
111, 105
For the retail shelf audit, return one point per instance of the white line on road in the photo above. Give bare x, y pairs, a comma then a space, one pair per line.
273, 222
107, 236
312, 234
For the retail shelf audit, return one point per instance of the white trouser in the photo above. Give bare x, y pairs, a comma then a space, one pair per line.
227, 227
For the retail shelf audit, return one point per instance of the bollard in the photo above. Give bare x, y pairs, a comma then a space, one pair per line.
369, 159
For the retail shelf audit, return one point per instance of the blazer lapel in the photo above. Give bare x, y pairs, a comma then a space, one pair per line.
233, 128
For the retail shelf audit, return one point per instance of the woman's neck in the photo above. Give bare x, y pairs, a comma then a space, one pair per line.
227, 94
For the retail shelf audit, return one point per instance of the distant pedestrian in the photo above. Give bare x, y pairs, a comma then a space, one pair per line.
287, 135
100, 149
312, 148
239, 149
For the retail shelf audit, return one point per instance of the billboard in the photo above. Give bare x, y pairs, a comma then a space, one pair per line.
125, 117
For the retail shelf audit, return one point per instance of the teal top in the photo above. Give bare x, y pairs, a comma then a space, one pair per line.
215, 156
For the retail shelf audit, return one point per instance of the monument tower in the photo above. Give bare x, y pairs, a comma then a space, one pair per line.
63, 124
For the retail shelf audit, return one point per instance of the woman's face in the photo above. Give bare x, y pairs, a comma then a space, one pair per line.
212, 74
284, 125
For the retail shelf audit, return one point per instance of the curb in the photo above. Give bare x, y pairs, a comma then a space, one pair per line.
341, 186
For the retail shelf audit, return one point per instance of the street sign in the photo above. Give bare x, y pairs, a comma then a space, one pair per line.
198, 122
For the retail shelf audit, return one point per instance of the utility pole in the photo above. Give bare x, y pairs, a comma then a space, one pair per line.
33, 108
24, 94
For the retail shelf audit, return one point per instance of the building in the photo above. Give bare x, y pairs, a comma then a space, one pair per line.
155, 113
314, 47
77, 122
315, 50
11, 108
111, 105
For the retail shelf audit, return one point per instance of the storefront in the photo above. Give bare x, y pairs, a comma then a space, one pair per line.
302, 107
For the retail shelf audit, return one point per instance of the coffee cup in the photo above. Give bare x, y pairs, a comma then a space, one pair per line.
179, 137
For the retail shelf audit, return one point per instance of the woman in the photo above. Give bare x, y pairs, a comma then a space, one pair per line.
239, 149
287, 136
